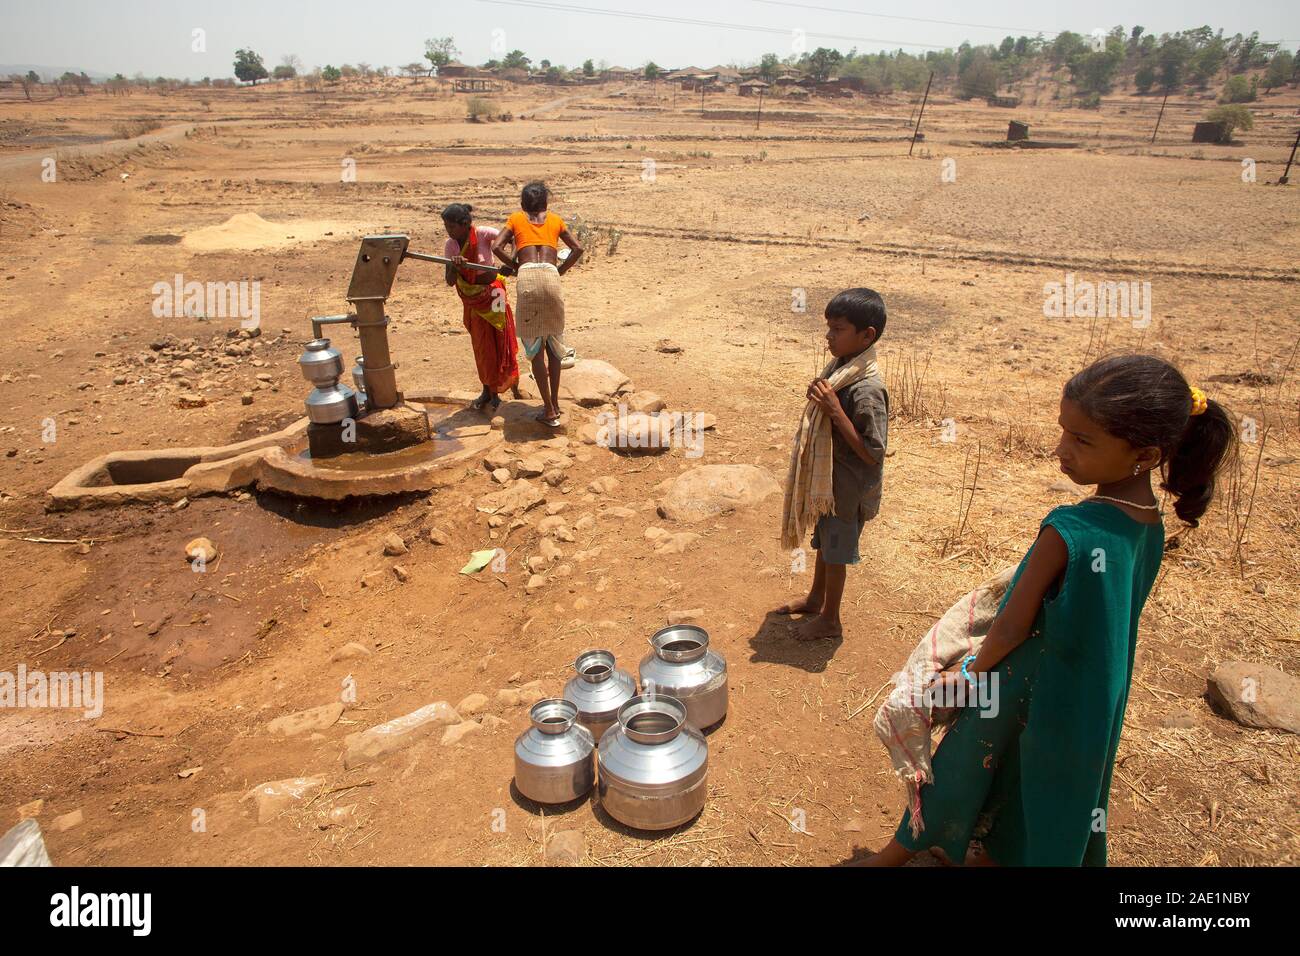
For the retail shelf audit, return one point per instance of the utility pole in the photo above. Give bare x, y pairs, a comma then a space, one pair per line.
1286, 175
924, 100
1161, 114
759, 124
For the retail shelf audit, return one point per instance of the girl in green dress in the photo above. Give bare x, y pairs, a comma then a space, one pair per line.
1035, 770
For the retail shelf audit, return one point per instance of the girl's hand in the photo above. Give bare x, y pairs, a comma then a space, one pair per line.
458, 261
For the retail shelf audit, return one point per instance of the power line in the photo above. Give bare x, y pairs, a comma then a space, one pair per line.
888, 16
660, 18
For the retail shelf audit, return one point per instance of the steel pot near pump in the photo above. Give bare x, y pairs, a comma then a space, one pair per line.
653, 765
598, 690
330, 402
682, 665
553, 758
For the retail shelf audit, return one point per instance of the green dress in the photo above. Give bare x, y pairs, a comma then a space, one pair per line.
1035, 771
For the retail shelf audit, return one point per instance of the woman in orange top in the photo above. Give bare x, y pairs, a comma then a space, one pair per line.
539, 306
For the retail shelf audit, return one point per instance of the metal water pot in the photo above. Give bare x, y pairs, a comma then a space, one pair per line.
681, 665
598, 690
653, 765
359, 375
553, 758
331, 404
321, 363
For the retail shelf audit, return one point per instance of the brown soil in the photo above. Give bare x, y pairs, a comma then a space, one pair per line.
708, 254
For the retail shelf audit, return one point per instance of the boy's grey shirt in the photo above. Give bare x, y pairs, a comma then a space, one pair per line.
857, 484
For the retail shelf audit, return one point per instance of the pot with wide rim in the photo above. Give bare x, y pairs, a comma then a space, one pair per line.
653, 765
554, 757
598, 690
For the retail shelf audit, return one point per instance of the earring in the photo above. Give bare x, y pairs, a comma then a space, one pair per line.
1136, 469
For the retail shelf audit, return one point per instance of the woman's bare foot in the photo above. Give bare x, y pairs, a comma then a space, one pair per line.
818, 628
809, 605
892, 855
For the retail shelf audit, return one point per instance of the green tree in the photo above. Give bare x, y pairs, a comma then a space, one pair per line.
248, 67
1144, 78
823, 62
768, 66
980, 78
283, 72
1237, 90
1231, 118
515, 60
330, 74
652, 70
588, 68
1171, 61
1280, 69
439, 51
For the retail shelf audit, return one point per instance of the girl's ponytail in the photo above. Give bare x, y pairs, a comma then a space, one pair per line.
1192, 464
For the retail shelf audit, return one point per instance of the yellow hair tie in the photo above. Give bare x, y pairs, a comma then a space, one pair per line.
1199, 401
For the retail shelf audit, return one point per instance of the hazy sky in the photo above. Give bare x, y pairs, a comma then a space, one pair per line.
155, 36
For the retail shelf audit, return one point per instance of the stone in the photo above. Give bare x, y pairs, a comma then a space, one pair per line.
554, 477
389, 429
675, 543
619, 512
685, 617
529, 467
502, 476
274, 797
201, 549
29, 811
67, 821
508, 697
550, 550
564, 534
566, 848
394, 545
639, 433
708, 491
401, 573
393, 735
585, 524
190, 400
514, 499
531, 692
498, 422
498, 458
603, 486
305, 721
438, 536
550, 523
496, 521
337, 817
246, 398
555, 507
457, 732
537, 564
591, 383
119, 379
668, 347
350, 652
472, 704
492, 723
535, 583
645, 402
1256, 695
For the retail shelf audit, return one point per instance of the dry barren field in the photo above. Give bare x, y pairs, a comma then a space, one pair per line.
703, 230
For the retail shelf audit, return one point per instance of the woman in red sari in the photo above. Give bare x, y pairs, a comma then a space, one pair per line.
488, 316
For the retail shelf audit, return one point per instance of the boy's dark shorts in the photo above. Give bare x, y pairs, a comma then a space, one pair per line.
837, 540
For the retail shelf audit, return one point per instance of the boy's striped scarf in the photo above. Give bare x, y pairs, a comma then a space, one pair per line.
809, 489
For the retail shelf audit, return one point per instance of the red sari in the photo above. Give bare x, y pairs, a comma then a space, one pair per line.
490, 322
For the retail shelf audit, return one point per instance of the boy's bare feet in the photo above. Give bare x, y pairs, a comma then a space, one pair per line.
809, 605
818, 628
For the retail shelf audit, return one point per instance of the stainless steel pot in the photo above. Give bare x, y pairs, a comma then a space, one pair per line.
653, 765
359, 375
598, 690
553, 758
321, 363
681, 665
332, 404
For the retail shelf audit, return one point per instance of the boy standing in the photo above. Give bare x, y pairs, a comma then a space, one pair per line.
836, 470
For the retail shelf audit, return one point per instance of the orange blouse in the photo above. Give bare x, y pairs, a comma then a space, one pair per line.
528, 234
